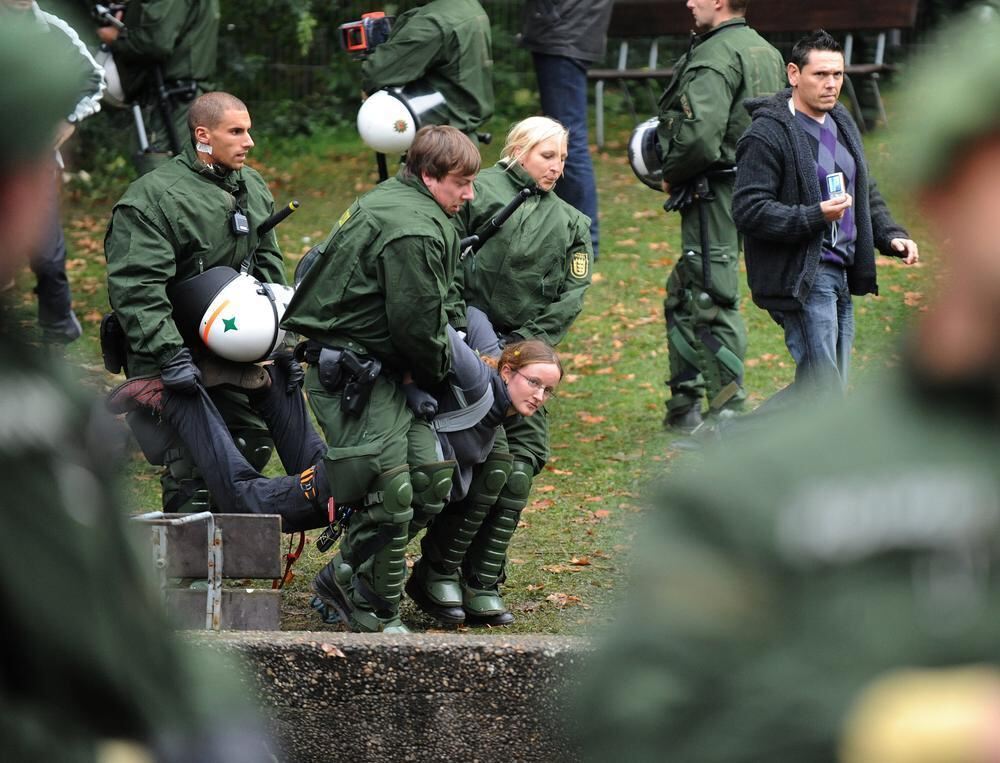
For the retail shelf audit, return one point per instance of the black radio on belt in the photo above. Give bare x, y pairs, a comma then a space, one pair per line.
241, 225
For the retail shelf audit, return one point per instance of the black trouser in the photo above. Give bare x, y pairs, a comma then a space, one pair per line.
234, 484
55, 303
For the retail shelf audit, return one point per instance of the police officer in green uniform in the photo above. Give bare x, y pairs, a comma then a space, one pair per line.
97, 676
373, 308
530, 279
165, 56
199, 210
701, 118
783, 582
447, 46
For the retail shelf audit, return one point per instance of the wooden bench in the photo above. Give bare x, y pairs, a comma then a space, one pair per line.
649, 20
213, 547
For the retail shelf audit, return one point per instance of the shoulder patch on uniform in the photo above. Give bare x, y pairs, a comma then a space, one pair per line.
580, 265
346, 216
686, 106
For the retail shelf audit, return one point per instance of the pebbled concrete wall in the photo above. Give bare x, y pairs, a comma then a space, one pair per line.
421, 697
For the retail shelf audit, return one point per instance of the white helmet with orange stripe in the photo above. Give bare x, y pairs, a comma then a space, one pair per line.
233, 314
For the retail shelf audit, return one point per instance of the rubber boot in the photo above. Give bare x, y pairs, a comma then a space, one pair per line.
483, 568
365, 580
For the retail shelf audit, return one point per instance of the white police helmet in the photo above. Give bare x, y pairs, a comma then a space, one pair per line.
644, 154
114, 93
233, 314
389, 118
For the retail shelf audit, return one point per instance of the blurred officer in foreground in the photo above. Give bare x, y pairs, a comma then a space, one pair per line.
446, 46
56, 319
98, 676
788, 582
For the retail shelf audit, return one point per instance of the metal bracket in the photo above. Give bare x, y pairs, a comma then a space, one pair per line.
159, 523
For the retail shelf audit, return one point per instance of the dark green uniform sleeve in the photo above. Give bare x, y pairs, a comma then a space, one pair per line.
554, 321
141, 261
416, 287
151, 30
692, 613
405, 56
693, 125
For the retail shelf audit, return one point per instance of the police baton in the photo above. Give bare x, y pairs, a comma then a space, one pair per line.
266, 227
472, 244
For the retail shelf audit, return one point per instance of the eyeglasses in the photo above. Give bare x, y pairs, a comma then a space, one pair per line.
536, 384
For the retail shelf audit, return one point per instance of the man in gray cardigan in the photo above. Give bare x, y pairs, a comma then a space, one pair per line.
809, 250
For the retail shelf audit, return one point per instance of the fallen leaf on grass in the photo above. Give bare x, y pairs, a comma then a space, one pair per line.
580, 561
541, 504
588, 418
545, 488
563, 599
563, 472
912, 298
558, 569
533, 587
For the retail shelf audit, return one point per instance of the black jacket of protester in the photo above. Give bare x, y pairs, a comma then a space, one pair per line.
776, 206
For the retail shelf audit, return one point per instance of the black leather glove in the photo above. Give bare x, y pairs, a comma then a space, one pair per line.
423, 405
180, 374
294, 373
506, 339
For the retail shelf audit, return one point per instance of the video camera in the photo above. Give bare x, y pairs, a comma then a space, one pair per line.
360, 38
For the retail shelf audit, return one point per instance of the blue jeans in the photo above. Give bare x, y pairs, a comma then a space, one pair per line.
819, 336
562, 86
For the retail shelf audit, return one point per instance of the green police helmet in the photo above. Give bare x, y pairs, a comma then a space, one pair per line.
953, 97
39, 87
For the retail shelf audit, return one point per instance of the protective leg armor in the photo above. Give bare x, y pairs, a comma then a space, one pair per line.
431, 486
374, 549
434, 584
485, 561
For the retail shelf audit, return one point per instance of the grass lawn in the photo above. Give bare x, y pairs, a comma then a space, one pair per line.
569, 557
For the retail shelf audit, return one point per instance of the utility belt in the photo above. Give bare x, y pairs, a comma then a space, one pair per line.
699, 188
342, 371
177, 90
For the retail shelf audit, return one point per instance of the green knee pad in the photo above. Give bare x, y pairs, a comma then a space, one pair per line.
255, 445
484, 562
393, 497
450, 535
431, 486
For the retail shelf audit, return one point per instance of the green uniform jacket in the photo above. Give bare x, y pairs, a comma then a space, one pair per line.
530, 278
446, 43
701, 111
382, 279
179, 35
102, 662
172, 224
812, 555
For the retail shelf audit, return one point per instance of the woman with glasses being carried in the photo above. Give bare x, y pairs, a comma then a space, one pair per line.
489, 389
